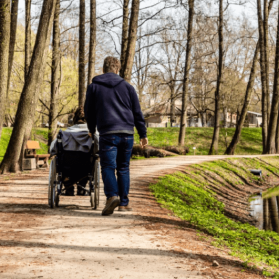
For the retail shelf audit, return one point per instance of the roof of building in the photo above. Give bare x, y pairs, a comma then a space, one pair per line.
165, 109
255, 113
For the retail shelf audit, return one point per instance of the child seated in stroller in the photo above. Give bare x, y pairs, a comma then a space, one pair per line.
75, 138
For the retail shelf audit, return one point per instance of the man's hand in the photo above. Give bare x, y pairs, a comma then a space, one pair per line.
90, 135
143, 142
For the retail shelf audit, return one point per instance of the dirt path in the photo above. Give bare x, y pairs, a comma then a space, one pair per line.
74, 241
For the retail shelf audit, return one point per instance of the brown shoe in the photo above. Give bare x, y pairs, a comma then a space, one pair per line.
125, 208
111, 204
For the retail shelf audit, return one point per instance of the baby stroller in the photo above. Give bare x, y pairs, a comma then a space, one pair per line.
74, 163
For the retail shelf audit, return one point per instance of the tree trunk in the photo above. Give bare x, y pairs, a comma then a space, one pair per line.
132, 39
266, 51
14, 13
55, 74
92, 43
204, 119
263, 74
215, 140
271, 147
27, 36
28, 53
172, 108
249, 89
183, 118
30, 90
274, 214
277, 137
5, 19
225, 112
140, 93
125, 33
231, 149
81, 70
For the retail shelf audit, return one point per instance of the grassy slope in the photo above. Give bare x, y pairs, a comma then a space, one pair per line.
187, 195
250, 142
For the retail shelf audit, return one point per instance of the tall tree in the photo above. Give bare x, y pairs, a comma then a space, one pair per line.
92, 43
81, 65
13, 29
125, 34
5, 19
27, 36
183, 119
132, 39
271, 147
266, 52
30, 89
215, 140
263, 66
55, 76
249, 89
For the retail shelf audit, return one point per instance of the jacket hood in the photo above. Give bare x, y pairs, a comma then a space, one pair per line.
108, 79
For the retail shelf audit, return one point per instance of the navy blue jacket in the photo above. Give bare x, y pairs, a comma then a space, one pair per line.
112, 104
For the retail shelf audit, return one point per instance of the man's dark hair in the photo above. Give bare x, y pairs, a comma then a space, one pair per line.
111, 64
79, 117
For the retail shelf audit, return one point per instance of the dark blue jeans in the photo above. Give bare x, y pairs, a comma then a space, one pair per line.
115, 154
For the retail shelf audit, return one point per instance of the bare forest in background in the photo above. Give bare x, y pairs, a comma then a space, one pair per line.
192, 57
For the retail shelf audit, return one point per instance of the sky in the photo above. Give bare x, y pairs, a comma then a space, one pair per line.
248, 9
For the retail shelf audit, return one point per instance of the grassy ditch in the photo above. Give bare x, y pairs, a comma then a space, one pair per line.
207, 197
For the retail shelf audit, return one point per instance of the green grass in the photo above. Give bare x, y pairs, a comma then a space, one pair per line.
39, 134
187, 195
250, 142
5, 138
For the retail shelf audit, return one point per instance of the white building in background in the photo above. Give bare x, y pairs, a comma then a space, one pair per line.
159, 115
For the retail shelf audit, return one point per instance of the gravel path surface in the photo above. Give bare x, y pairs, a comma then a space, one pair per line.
74, 241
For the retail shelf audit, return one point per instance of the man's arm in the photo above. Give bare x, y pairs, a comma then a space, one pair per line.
138, 116
89, 109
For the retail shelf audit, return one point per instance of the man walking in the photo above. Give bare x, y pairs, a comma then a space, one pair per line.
113, 107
